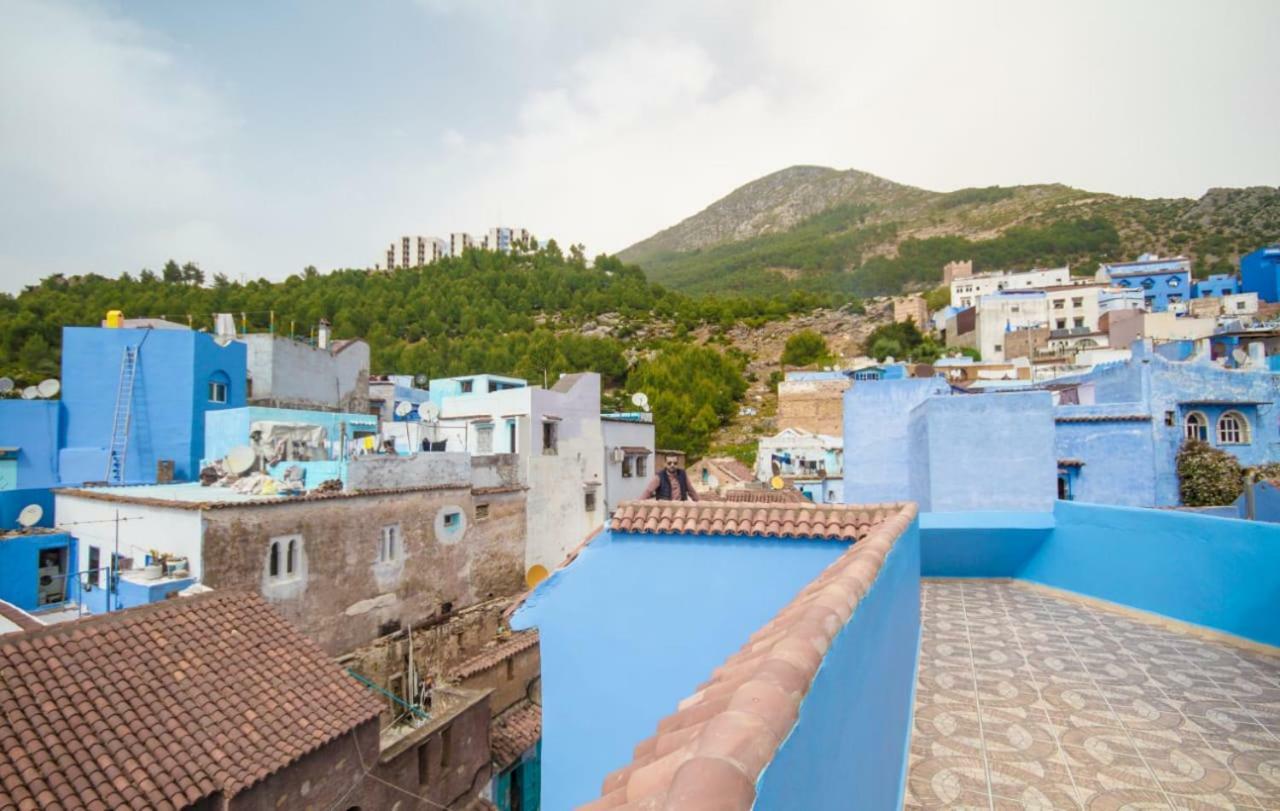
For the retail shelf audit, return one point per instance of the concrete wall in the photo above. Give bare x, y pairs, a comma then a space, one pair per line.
812, 405
1219, 573
291, 374
983, 452
858, 710
345, 595
170, 398
378, 472
876, 432
34, 427
143, 527
618, 434
631, 629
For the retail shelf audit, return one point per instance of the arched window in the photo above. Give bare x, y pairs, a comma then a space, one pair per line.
219, 387
274, 566
1233, 429
291, 562
1196, 426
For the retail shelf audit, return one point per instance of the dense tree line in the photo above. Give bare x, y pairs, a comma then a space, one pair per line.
693, 390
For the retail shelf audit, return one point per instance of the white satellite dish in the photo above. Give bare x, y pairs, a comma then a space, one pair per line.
49, 388
429, 412
6, 385
641, 399
403, 408
30, 393
240, 460
1241, 357
30, 515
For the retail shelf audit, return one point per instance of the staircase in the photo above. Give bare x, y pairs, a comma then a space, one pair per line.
120, 419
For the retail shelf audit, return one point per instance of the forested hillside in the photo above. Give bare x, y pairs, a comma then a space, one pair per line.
850, 233
483, 312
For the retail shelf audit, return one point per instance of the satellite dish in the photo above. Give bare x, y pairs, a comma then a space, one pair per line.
6, 385
49, 388
777, 483
30, 515
30, 393
241, 460
641, 399
429, 412
420, 380
404, 408
1241, 357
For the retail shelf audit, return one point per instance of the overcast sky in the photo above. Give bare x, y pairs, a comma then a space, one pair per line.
258, 138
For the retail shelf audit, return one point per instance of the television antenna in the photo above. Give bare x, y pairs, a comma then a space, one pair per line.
641, 400
6, 385
49, 388
30, 393
240, 460
30, 515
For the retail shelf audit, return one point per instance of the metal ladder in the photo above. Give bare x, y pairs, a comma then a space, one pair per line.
120, 420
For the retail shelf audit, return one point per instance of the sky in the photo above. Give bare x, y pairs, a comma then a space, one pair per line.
258, 138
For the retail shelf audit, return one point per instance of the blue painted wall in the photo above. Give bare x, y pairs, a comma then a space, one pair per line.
852, 736
230, 428
1220, 573
1118, 457
1162, 281
983, 452
1260, 273
171, 398
35, 428
128, 594
20, 560
634, 626
443, 387
877, 418
1218, 285
12, 502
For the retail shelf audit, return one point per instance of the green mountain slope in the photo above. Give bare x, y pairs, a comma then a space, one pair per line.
850, 233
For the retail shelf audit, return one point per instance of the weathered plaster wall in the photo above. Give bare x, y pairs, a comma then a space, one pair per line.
984, 452
289, 373
323, 778
617, 434
347, 596
659, 611
374, 472
876, 433
814, 405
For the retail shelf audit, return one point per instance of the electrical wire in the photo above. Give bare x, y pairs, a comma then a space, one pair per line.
366, 773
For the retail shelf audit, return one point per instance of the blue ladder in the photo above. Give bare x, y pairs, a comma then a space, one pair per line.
121, 418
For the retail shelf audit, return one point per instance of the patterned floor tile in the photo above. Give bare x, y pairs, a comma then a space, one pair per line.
1030, 701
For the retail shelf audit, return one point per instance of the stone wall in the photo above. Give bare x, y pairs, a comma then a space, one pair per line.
341, 594
814, 405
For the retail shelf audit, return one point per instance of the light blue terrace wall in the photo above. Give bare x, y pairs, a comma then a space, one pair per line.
1118, 456
849, 745
1220, 573
984, 452
876, 434
633, 626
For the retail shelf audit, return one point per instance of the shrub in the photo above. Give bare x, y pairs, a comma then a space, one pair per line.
804, 348
1207, 476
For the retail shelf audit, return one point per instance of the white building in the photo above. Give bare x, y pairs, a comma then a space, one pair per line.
415, 251
1001, 313
967, 290
459, 242
558, 435
284, 373
504, 239
813, 462
629, 457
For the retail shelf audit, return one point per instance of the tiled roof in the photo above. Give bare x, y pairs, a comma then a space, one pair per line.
18, 618
1103, 418
785, 496
159, 706
495, 654
733, 467
841, 522
97, 494
712, 750
514, 732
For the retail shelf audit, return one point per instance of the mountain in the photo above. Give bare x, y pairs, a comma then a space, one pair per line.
845, 233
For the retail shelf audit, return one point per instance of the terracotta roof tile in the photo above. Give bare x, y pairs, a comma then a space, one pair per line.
1103, 418
785, 496
160, 706
495, 654
839, 522
711, 751
514, 732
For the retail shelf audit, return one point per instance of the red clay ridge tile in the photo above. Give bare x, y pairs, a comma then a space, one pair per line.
710, 752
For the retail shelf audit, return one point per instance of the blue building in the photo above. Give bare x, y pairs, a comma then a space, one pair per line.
1217, 286
1260, 273
318, 442
37, 568
444, 387
178, 376
1163, 281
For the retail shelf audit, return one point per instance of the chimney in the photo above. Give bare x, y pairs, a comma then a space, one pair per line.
322, 334
224, 326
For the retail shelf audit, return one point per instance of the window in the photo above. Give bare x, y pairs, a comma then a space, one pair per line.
591, 501
484, 439
446, 747
626, 466
465, 386
1061, 323
217, 391
511, 436
482, 512
550, 435
1174, 298
389, 546
642, 463
284, 558
998, 347
1077, 302
1148, 283
1233, 429
1174, 281
1058, 303
511, 668
1079, 322
452, 520
95, 561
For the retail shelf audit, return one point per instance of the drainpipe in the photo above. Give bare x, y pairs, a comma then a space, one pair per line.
1250, 496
